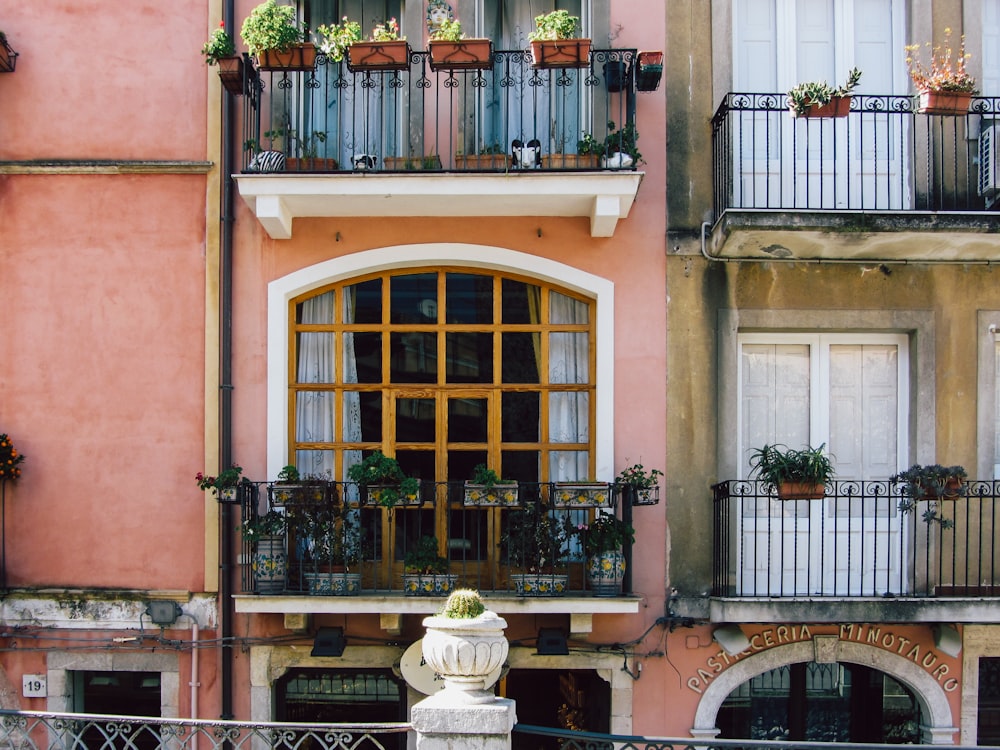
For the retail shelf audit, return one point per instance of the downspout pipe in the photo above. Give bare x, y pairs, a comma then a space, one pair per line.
226, 566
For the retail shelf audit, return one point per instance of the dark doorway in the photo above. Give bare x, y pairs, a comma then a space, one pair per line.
988, 722
821, 703
568, 699
119, 694
343, 696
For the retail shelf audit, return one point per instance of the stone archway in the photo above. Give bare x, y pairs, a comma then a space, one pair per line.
933, 700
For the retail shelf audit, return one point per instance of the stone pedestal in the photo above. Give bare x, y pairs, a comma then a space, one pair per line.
444, 722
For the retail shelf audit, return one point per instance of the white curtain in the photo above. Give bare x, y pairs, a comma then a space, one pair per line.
352, 399
314, 410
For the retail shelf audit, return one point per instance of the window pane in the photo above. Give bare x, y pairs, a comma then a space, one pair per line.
470, 357
569, 417
563, 309
413, 298
315, 463
314, 412
522, 466
414, 357
520, 302
363, 302
362, 417
316, 352
363, 357
519, 353
415, 420
469, 298
569, 466
569, 358
315, 310
467, 421
520, 417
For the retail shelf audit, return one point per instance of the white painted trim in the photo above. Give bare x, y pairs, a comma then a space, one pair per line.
282, 290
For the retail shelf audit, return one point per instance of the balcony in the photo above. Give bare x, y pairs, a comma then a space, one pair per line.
440, 143
483, 547
884, 183
855, 555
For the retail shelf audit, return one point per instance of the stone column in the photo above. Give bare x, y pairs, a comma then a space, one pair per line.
443, 723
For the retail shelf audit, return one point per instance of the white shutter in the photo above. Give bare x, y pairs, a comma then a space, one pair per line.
996, 415
990, 82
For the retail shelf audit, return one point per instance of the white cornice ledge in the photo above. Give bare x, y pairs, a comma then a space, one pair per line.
277, 199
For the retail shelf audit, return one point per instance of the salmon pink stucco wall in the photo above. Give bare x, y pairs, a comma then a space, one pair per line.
103, 379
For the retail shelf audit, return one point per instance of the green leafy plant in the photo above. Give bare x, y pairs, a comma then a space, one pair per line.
219, 45
379, 469
288, 473
483, 475
10, 460
590, 145
463, 604
945, 71
607, 533
332, 538
623, 141
449, 30
818, 93
271, 26
637, 477
306, 147
335, 39
271, 523
424, 558
558, 24
929, 483
227, 479
775, 464
534, 539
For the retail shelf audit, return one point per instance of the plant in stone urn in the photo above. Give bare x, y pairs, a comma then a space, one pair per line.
465, 644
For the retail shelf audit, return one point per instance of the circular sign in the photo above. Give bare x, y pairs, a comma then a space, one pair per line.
419, 675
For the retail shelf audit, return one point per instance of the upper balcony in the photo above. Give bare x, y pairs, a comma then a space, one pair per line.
336, 538
886, 182
425, 140
856, 553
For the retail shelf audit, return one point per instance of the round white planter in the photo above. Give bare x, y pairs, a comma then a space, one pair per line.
465, 652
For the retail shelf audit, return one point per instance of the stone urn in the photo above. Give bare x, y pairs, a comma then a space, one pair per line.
464, 651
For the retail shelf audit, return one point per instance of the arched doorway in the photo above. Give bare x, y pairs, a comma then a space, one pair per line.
821, 703
936, 721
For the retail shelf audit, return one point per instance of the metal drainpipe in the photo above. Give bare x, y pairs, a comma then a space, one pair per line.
225, 384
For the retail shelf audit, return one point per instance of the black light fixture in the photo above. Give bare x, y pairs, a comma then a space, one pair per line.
163, 613
329, 642
552, 642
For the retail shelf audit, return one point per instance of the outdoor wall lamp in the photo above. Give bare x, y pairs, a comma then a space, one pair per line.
731, 638
329, 642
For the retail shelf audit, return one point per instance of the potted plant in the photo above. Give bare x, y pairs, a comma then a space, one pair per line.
10, 460
650, 65
534, 542
487, 488
620, 149
639, 486
220, 50
412, 163
554, 42
602, 541
589, 150
581, 494
493, 156
266, 534
384, 482
944, 85
384, 50
930, 483
465, 645
303, 151
331, 545
450, 49
337, 38
223, 486
8, 57
793, 474
820, 99
425, 570
272, 32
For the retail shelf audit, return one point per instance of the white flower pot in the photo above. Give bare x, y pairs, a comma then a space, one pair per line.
464, 652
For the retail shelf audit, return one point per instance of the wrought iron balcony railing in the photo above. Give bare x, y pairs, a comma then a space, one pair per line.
860, 539
333, 118
337, 538
884, 156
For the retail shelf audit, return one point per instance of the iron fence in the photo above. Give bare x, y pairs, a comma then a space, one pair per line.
333, 118
861, 538
885, 155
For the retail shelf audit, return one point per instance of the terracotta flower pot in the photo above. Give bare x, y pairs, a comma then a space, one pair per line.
465, 54
560, 53
944, 102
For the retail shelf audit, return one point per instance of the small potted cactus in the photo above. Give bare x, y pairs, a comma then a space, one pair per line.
466, 646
